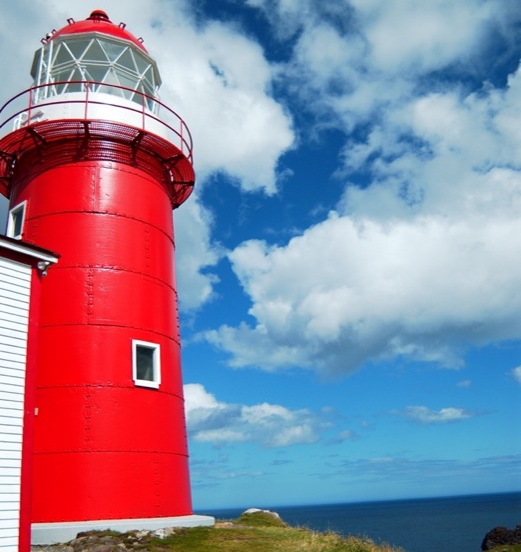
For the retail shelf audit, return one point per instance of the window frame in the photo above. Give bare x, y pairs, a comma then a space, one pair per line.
11, 225
156, 364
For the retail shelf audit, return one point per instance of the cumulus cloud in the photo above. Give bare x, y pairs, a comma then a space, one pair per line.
194, 252
222, 86
432, 34
425, 415
414, 288
421, 261
269, 425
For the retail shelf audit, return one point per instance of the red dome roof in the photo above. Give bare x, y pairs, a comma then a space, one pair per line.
98, 21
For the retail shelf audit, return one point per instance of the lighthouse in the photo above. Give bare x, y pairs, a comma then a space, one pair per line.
93, 163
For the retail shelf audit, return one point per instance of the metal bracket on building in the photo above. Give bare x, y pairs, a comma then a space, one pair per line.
135, 145
43, 266
38, 138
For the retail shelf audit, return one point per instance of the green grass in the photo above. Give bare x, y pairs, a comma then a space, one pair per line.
257, 532
260, 519
260, 539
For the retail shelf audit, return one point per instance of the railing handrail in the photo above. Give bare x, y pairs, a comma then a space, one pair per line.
90, 98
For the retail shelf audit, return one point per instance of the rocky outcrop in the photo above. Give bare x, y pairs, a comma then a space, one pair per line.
255, 517
500, 536
109, 541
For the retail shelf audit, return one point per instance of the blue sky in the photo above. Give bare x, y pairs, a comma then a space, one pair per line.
348, 267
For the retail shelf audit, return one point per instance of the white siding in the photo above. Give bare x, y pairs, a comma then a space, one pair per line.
15, 283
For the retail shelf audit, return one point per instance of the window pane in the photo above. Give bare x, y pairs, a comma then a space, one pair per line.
126, 80
127, 61
113, 51
149, 76
96, 73
77, 47
146, 369
61, 56
142, 63
95, 53
35, 69
62, 77
16, 221
145, 363
18, 218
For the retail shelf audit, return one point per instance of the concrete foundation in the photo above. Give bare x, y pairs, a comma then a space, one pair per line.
52, 533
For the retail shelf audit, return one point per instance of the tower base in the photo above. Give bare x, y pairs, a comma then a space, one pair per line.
52, 533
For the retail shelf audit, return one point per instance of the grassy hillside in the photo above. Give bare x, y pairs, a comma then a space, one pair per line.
257, 532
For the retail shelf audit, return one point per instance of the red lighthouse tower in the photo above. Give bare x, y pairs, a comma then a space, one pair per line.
93, 164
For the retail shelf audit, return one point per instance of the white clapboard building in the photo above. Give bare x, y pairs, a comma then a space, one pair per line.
22, 267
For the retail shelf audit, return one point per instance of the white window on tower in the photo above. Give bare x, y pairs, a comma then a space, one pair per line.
15, 222
146, 365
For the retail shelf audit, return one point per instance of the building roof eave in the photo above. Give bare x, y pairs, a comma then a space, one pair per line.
24, 248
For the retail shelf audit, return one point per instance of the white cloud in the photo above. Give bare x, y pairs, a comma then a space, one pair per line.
355, 61
431, 34
197, 398
194, 252
516, 373
220, 82
345, 435
421, 260
347, 291
425, 415
286, 16
269, 425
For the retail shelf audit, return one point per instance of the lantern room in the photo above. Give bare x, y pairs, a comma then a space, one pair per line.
97, 52
100, 78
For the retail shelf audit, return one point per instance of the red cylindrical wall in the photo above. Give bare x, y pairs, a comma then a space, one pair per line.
105, 448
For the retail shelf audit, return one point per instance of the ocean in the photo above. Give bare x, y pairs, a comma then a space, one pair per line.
416, 525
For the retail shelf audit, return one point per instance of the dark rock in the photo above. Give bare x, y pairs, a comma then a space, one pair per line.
501, 536
53, 548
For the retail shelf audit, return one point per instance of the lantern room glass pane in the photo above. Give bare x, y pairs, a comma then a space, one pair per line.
148, 77
37, 64
62, 56
76, 47
77, 75
95, 53
96, 73
111, 84
126, 80
112, 50
127, 60
142, 64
